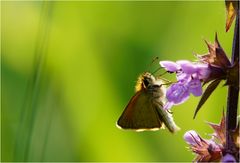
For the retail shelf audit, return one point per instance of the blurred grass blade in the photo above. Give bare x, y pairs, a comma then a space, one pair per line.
29, 110
40, 53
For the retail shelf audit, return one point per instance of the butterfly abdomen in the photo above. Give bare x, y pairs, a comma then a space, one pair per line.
167, 119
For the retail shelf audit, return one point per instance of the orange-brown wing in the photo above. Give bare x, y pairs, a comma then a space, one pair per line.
140, 114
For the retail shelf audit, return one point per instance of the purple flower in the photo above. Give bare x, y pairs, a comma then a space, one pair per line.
192, 138
176, 94
213, 149
228, 158
201, 70
206, 150
189, 76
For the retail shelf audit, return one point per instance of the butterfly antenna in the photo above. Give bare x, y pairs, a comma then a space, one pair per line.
158, 70
168, 82
153, 60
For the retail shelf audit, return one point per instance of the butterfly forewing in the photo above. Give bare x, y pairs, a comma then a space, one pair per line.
140, 114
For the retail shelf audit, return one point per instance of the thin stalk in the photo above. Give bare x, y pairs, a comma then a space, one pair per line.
40, 52
24, 139
23, 133
233, 93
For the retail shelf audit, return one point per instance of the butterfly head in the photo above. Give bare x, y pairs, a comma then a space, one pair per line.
144, 81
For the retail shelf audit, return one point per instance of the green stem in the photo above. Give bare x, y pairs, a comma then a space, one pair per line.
233, 93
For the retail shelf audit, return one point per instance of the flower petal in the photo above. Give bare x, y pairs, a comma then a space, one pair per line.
169, 66
195, 87
187, 66
177, 93
192, 138
203, 71
183, 77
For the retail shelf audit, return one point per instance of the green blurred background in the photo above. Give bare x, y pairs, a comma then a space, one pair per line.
69, 69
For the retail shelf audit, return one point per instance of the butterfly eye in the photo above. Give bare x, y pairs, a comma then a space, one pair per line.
146, 82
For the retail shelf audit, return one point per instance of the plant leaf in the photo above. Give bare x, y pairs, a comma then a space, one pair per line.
219, 130
231, 7
211, 87
216, 55
220, 54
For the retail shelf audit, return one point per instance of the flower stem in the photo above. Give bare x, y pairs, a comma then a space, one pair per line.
233, 93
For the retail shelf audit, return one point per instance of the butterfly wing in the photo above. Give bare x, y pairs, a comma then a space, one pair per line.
140, 114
